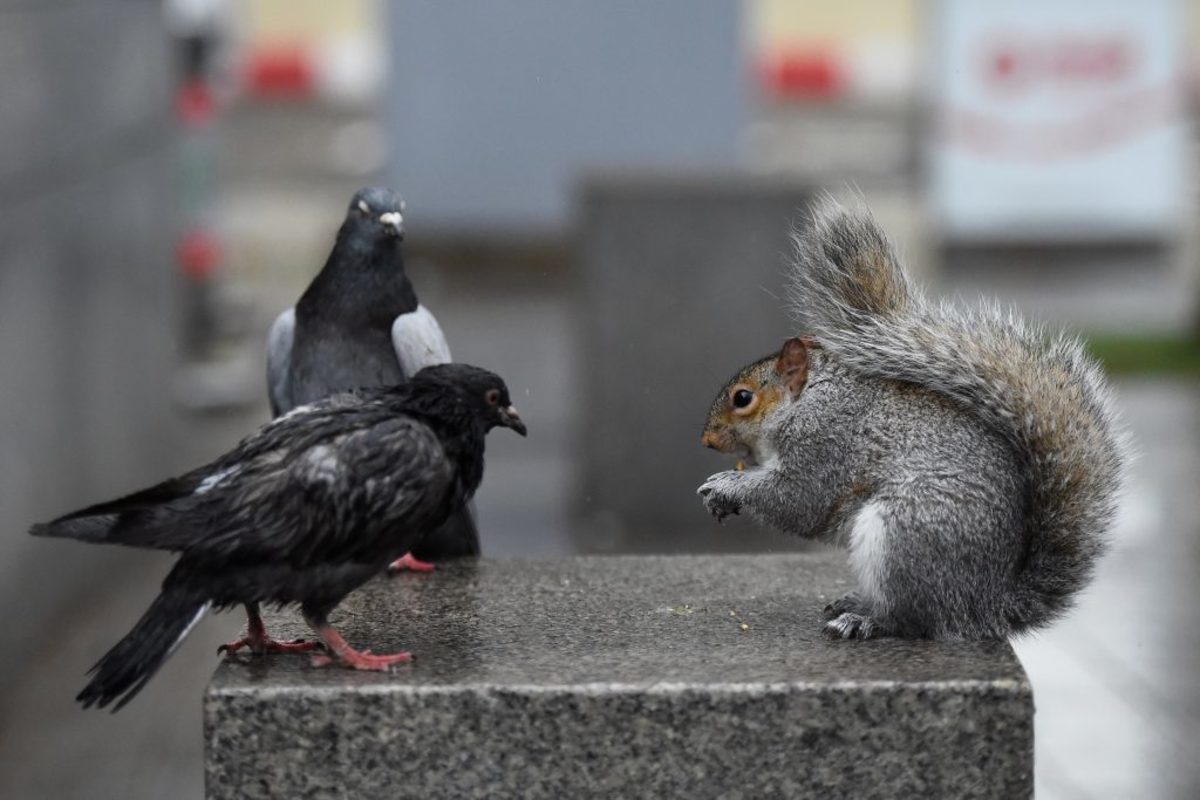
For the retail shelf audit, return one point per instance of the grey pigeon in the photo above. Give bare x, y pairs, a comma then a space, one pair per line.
304, 511
358, 324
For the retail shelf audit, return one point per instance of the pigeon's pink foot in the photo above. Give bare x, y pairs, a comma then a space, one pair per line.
364, 660
409, 562
259, 643
345, 655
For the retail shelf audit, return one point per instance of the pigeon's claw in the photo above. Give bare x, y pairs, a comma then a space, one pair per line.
266, 645
260, 644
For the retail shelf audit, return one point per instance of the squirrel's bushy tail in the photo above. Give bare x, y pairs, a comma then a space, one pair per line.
1041, 392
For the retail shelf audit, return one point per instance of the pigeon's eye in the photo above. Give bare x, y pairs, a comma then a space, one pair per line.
744, 400
364, 208
493, 397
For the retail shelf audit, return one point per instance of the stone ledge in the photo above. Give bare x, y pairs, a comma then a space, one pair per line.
621, 676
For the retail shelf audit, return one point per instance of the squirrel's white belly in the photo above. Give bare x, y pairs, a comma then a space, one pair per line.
868, 551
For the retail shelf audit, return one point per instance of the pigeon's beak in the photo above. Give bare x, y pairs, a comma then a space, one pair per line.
509, 418
393, 223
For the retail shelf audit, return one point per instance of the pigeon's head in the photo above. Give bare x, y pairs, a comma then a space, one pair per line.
377, 211
484, 392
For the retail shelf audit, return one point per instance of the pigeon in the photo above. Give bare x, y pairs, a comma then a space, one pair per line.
359, 324
302, 512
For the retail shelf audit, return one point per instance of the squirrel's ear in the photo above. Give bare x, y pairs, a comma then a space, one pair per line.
793, 364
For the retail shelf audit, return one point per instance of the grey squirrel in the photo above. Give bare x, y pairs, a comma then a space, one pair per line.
969, 462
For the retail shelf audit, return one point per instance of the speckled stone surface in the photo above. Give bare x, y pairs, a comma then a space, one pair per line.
672, 676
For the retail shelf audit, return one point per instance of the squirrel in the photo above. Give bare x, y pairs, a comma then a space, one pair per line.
970, 462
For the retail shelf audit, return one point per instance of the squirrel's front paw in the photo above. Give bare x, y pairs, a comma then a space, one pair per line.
721, 493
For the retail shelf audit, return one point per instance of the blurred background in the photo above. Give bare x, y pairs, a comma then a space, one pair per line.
599, 200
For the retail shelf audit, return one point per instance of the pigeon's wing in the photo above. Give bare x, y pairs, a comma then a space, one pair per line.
419, 341
163, 516
279, 358
316, 503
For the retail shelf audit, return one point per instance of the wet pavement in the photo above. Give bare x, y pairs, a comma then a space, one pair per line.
1117, 683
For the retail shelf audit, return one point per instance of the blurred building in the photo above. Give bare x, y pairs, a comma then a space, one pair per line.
1041, 152
303, 83
88, 283
496, 111
834, 88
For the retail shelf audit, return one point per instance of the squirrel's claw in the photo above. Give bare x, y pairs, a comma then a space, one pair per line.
850, 625
718, 513
849, 603
717, 493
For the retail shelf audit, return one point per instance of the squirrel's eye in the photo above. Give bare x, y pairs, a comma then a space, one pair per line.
492, 396
742, 398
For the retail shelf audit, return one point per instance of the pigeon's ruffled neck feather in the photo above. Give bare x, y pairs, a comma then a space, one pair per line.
449, 413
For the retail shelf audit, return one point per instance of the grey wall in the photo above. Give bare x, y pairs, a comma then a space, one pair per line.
680, 287
494, 108
87, 283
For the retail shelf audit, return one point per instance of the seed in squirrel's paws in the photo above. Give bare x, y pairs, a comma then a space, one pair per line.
740, 465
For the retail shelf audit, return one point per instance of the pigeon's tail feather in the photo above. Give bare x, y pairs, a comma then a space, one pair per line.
95, 529
132, 662
110, 521
141, 519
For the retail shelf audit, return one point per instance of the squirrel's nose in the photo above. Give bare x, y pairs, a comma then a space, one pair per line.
708, 440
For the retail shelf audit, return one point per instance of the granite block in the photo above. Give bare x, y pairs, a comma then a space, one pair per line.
665, 676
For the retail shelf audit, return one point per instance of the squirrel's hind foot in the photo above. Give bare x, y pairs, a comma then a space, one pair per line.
852, 625
849, 603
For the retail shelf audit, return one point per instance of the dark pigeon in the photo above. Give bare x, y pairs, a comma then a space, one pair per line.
359, 324
304, 511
